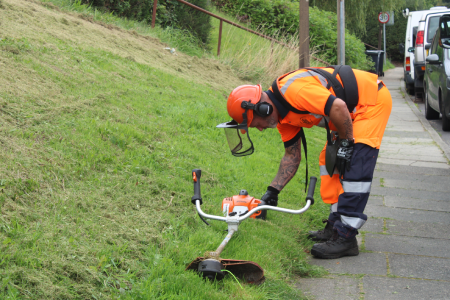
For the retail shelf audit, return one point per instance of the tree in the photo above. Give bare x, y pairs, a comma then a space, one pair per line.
358, 11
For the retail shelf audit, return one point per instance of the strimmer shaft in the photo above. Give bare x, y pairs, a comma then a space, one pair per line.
223, 244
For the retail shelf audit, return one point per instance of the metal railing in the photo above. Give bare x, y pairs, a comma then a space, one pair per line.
231, 23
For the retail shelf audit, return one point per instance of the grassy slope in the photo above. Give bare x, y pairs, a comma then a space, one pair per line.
100, 128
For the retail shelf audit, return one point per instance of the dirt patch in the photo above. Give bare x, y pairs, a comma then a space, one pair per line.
33, 20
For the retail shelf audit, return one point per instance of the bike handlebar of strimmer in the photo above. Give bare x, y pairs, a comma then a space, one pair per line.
312, 187
196, 173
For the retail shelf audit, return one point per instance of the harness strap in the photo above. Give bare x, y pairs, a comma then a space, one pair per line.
280, 98
349, 95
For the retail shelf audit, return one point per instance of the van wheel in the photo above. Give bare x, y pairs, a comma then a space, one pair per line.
430, 114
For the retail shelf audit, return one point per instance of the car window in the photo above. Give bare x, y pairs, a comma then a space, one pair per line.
433, 24
434, 44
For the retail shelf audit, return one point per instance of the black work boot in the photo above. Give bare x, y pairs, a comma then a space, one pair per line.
336, 247
322, 235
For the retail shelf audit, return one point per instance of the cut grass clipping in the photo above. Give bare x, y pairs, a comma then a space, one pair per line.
95, 175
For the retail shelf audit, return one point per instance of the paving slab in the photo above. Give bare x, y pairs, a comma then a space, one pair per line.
376, 200
427, 230
426, 183
333, 288
423, 204
402, 170
373, 225
407, 245
419, 267
404, 214
405, 126
364, 263
403, 134
416, 194
377, 288
413, 163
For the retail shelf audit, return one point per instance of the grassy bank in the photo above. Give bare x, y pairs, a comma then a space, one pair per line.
100, 128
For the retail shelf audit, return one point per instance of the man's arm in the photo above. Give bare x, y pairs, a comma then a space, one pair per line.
288, 165
340, 117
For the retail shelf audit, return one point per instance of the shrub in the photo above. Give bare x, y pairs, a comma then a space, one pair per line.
170, 13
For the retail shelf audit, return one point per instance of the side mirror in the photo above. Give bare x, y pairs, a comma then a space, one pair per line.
433, 59
445, 43
401, 48
411, 49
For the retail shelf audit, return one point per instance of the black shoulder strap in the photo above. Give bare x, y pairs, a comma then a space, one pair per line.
280, 98
348, 93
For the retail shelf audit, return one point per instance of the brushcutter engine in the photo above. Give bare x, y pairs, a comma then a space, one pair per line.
240, 205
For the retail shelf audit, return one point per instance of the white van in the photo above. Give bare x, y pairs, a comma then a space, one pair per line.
410, 41
428, 24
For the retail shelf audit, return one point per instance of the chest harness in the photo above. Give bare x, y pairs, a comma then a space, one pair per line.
348, 93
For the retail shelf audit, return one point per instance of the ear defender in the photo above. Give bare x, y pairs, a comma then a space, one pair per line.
262, 109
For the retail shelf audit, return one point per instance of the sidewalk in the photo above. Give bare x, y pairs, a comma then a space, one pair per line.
405, 244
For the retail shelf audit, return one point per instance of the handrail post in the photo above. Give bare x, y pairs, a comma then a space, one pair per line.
220, 38
154, 13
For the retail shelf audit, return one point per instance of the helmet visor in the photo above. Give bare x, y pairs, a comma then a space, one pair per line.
238, 138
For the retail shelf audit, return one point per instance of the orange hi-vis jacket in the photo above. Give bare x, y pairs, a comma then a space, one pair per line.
307, 90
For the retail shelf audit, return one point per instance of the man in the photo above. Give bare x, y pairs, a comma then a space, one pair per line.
355, 122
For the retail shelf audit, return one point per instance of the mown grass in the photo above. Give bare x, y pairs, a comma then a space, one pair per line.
95, 182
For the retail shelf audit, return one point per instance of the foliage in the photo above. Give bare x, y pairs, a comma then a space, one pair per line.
281, 17
358, 12
170, 13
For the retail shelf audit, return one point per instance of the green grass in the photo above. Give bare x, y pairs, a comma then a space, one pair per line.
97, 152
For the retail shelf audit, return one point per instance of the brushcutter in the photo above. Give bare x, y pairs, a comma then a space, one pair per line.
236, 209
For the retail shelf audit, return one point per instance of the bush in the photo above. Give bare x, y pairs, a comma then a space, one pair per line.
281, 17
169, 13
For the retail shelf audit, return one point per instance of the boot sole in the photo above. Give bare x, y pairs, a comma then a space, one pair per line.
349, 252
316, 239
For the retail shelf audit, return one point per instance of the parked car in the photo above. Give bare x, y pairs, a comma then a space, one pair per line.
437, 75
410, 40
425, 33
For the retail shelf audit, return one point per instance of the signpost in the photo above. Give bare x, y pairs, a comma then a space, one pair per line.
383, 18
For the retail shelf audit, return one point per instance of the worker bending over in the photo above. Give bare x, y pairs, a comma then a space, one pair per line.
353, 106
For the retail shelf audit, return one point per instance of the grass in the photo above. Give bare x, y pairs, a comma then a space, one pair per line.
97, 151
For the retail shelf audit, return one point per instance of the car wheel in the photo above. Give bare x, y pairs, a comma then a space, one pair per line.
430, 114
445, 123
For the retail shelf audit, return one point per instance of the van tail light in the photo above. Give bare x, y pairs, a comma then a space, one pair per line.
408, 64
419, 38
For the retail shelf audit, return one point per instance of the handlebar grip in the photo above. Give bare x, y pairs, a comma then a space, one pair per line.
196, 174
312, 187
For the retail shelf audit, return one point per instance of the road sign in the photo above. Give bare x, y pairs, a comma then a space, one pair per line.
383, 17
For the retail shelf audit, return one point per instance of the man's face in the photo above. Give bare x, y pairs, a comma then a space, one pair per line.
262, 123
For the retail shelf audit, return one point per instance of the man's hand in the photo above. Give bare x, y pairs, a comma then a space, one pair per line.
270, 197
344, 156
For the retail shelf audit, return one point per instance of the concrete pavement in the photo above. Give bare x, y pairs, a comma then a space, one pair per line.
405, 244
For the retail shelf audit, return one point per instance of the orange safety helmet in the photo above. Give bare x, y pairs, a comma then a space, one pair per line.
242, 103
249, 93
